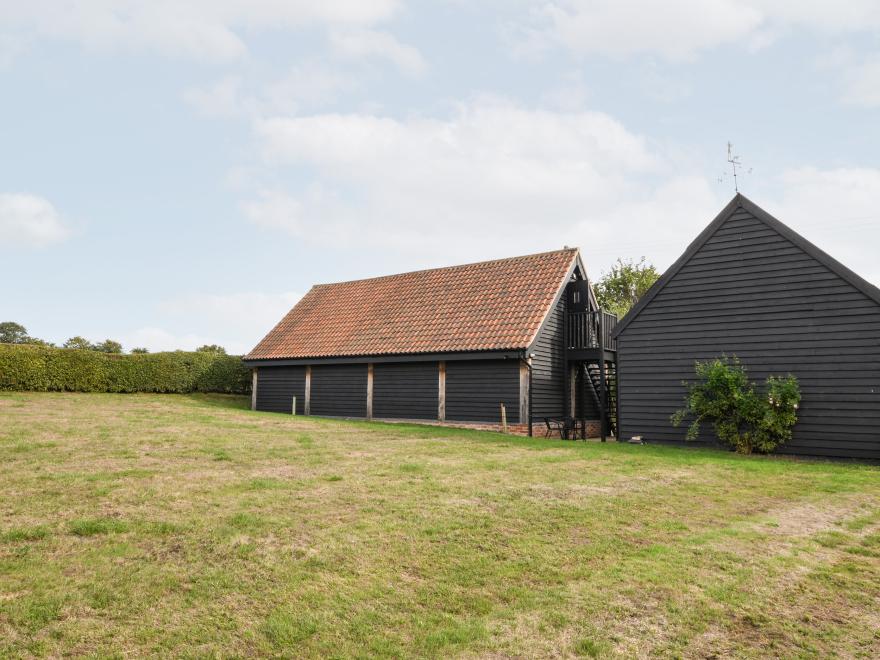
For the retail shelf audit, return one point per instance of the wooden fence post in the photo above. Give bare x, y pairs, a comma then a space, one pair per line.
254, 389
503, 419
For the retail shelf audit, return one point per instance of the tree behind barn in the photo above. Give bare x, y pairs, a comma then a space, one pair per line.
15, 333
108, 346
211, 348
79, 343
621, 287
12, 333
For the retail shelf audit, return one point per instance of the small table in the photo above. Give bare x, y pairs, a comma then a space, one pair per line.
568, 429
578, 428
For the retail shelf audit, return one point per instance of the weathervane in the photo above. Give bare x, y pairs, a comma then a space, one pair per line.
735, 163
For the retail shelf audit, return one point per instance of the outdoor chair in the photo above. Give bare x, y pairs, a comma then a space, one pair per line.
554, 425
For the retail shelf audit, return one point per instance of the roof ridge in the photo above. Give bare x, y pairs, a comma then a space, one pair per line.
453, 267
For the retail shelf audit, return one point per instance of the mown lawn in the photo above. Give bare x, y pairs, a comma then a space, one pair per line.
188, 525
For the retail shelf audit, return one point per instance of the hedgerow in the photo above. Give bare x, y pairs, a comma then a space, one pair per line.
43, 369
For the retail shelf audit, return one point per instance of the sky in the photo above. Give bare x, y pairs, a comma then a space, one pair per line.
180, 172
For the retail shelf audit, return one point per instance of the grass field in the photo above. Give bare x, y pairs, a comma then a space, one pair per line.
188, 525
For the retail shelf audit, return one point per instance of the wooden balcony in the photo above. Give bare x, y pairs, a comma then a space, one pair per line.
588, 334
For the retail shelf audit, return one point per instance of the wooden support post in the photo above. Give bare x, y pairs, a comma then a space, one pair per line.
603, 385
572, 391
441, 393
370, 391
307, 404
603, 401
524, 393
566, 398
503, 419
254, 388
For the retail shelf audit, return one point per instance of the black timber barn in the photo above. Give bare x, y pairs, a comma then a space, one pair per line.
447, 345
752, 287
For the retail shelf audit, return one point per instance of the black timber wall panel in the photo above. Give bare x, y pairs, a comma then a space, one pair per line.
548, 366
475, 388
339, 390
276, 387
406, 390
752, 293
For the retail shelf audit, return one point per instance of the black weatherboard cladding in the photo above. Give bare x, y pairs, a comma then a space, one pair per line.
276, 387
548, 366
339, 390
405, 390
476, 388
754, 292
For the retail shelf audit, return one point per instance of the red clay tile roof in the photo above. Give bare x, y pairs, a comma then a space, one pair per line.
492, 305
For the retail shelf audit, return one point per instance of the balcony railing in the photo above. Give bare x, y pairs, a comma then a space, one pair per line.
588, 329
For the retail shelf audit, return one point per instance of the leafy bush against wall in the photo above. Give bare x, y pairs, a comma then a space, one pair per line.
743, 417
39, 368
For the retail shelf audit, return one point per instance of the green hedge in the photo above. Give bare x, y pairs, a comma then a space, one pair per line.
42, 369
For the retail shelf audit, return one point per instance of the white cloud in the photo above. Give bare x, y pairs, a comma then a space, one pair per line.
304, 86
29, 220
361, 42
206, 29
236, 321
317, 215
820, 15
657, 225
862, 83
678, 29
278, 210
158, 339
222, 99
675, 29
11, 46
837, 210
510, 179
514, 180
